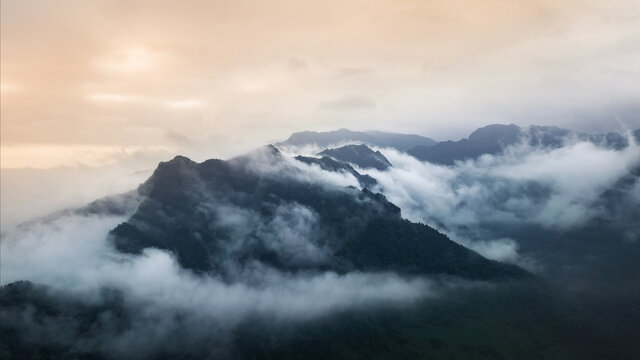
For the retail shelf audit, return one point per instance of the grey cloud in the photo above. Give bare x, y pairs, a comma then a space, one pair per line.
349, 102
293, 233
31, 193
178, 138
503, 249
287, 166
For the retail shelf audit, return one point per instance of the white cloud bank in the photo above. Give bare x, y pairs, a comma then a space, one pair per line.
555, 188
72, 254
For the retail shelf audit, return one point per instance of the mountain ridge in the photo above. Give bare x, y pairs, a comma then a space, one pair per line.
493, 139
306, 218
167, 220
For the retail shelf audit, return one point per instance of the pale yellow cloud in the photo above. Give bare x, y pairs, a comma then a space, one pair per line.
120, 74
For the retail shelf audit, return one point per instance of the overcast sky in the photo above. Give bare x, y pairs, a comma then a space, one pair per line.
93, 82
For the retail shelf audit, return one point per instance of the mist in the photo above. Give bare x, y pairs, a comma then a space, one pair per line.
72, 254
551, 188
524, 184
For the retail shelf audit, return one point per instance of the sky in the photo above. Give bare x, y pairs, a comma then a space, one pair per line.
93, 83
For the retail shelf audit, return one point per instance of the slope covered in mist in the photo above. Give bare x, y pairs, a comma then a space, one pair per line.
259, 208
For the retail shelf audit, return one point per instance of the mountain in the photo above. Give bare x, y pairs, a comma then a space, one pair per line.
256, 229
490, 139
493, 139
604, 254
186, 204
401, 142
594, 261
360, 155
487, 140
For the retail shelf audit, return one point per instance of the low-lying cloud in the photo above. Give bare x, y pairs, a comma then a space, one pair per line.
72, 254
555, 188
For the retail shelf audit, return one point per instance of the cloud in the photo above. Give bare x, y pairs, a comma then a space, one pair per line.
49, 156
353, 71
178, 138
522, 186
555, 188
350, 102
493, 62
31, 193
525, 185
503, 249
262, 161
72, 255
480, 202
293, 233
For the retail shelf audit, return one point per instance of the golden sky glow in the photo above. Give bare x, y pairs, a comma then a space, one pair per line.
84, 82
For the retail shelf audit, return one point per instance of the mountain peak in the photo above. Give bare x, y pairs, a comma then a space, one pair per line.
180, 159
499, 132
272, 149
490, 139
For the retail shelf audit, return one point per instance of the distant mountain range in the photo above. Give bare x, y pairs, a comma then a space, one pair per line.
402, 142
491, 139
